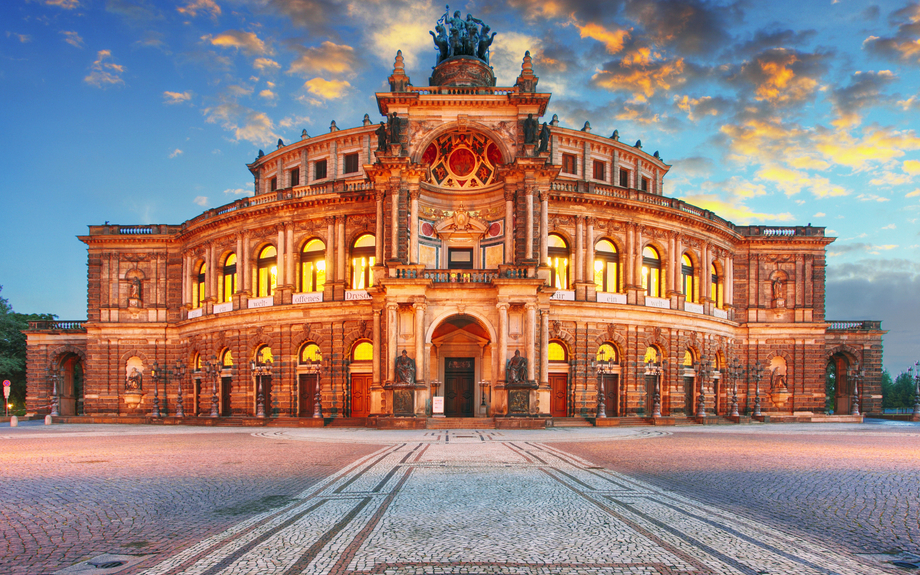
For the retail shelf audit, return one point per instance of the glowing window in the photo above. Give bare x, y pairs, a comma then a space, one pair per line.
229, 278
556, 352
606, 266
558, 259
651, 272
267, 271
686, 271
607, 353
688, 359
651, 355
362, 260
717, 296
200, 282
313, 266
264, 355
196, 362
226, 358
310, 353
363, 351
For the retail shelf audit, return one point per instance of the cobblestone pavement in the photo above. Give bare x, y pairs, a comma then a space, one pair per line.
570, 501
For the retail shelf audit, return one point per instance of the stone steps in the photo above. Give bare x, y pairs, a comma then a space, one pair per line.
460, 423
571, 422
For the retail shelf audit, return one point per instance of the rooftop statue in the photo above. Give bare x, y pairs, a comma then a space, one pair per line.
458, 37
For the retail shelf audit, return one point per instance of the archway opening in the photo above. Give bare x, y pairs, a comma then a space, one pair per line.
70, 385
461, 356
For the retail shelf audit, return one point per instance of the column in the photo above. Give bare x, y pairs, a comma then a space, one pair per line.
378, 237
615, 172
185, 274
394, 222
413, 227
282, 255
579, 249
589, 254
330, 249
289, 260
678, 250
637, 256
420, 342
280, 175
544, 226
509, 225
528, 246
239, 263
530, 325
376, 341
391, 342
340, 249
729, 281
502, 339
705, 276
245, 272
799, 280
628, 264
544, 346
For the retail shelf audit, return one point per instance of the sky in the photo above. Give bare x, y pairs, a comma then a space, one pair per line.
776, 113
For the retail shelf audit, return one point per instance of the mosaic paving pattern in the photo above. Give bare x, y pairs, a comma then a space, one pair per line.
474, 503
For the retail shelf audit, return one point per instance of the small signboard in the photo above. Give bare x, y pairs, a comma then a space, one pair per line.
6, 391
437, 405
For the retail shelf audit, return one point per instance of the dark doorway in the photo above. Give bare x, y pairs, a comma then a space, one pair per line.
839, 386
559, 394
196, 392
612, 395
361, 394
689, 395
458, 386
307, 390
71, 390
267, 406
225, 396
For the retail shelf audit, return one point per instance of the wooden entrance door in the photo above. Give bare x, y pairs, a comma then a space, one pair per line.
197, 409
689, 396
559, 394
458, 386
844, 392
307, 392
612, 395
361, 394
225, 396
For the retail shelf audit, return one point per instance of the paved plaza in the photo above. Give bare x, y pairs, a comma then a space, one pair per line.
757, 500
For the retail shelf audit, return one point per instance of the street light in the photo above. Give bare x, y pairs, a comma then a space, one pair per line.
703, 369
212, 370
258, 370
735, 371
857, 374
654, 369
178, 374
756, 371
54, 376
916, 390
316, 368
157, 375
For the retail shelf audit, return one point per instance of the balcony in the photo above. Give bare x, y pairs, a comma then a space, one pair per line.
57, 325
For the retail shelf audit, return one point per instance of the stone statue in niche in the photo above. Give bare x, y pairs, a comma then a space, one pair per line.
381, 132
405, 369
779, 293
530, 129
135, 295
394, 128
544, 139
516, 371
135, 381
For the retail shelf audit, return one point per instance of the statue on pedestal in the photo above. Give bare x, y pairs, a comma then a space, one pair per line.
516, 371
405, 369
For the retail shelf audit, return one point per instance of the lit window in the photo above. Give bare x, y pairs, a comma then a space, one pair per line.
226, 358
600, 170
264, 355
558, 260
196, 362
200, 282
363, 351
362, 260
351, 163
556, 352
313, 266
568, 164
651, 355
310, 353
606, 266
686, 274
229, 278
651, 272
319, 170
717, 296
267, 272
607, 353
688, 359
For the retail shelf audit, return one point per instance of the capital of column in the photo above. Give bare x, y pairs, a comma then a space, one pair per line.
414, 193
590, 221
392, 306
509, 195
502, 306
544, 195
420, 306
329, 220
380, 193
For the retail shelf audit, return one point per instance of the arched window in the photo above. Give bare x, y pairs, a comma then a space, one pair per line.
558, 259
226, 359
688, 359
557, 352
651, 272
686, 277
310, 353
196, 362
229, 278
313, 266
264, 355
607, 353
606, 266
267, 266
717, 296
200, 281
651, 355
362, 351
362, 260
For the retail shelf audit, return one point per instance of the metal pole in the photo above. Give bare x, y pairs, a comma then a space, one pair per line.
917, 392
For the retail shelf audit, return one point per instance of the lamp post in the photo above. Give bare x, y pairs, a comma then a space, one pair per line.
482, 392
178, 374
157, 374
756, 371
857, 374
599, 368
916, 414
654, 369
703, 369
212, 369
315, 367
54, 376
258, 370
735, 371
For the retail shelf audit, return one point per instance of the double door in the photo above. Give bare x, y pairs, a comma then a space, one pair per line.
459, 374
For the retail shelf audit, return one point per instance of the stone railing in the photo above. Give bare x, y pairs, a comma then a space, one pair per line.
460, 276
780, 232
150, 230
460, 90
856, 325
57, 325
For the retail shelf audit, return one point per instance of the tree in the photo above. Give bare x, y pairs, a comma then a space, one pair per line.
13, 348
897, 393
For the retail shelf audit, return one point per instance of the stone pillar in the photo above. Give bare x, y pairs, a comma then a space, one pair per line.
376, 353
378, 238
628, 263
509, 225
579, 249
420, 342
282, 255
729, 281
544, 226
245, 272
705, 276
529, 332
330, 249
637, 256
289, 260
340, 249
799, 280
394, 222
391, 341
615, 172
544, 347
185, 282
589, 255
528, 247
502, 340
413, 226
239, 263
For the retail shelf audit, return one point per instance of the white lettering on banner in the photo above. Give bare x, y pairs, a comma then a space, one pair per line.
261, 302
658, 302
693, 307
308, 297
563, 295
606, 297
223, 307
356, 294
193, 313
437, 405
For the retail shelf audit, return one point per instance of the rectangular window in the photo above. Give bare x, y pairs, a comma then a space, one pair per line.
644, 184
568, 164
624, 178
600, 170
319, 170
351, 163
295, 177
460, 258
273, 184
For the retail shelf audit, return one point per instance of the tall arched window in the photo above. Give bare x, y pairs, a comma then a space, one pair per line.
196, 362
717, 296
688, 359
607, 353
313, 266
264, 355
229, 278
606, 266
558, 259
362, 260
651, 355
651, 272
362, 351
310, 353
267, 267
200, 282
686, 277
226, 359
557, 352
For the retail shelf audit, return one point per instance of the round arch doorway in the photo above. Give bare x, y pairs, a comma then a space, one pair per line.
71, 385
462, 355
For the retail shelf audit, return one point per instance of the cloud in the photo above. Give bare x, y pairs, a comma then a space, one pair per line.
268, 94
820, 215
176, 97
697, 108
782, 77
687, 26
913, 194
329, 57
903, 46
137, 11
734, 211
766, 39
65, 4
327, 89
865, 90
72, 38
174, 153
195, 6
890, 227
238, 191
104, 73
889, 179
912, 167
23, 38
245, 123
263, 64
312, 15
694, 166
792, 182
871, 198
201, 201
641, 74
876, 144
535, 10
397, 25
612, 39
237, 91
245, 41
